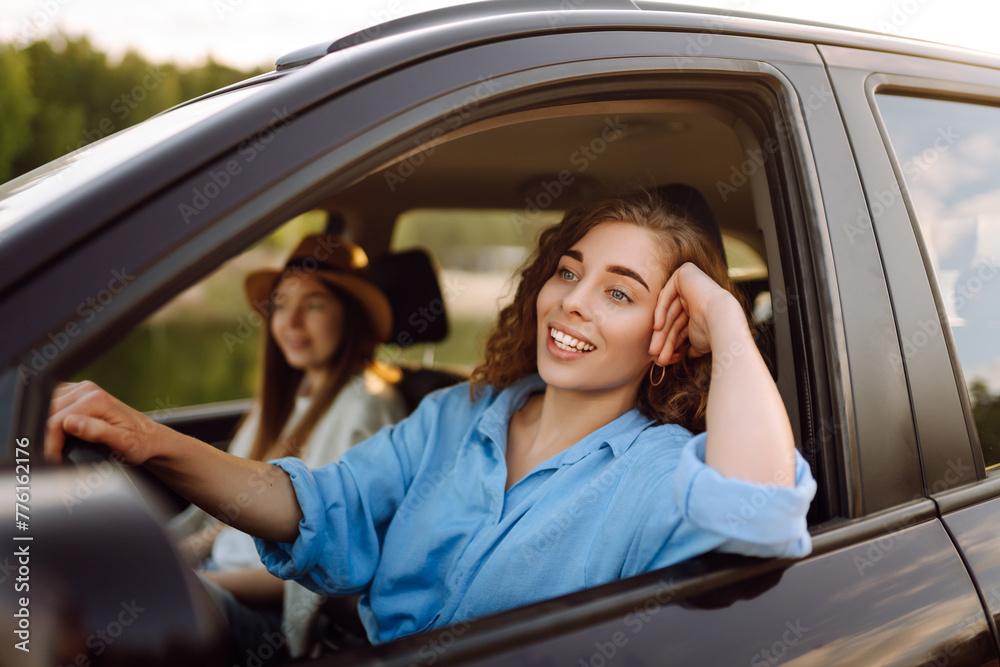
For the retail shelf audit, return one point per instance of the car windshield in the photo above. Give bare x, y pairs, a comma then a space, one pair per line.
24, 195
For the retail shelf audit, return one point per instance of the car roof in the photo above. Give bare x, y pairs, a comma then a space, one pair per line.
661, 14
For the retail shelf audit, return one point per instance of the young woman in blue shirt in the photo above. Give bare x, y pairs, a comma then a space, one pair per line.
568, 461
319, 395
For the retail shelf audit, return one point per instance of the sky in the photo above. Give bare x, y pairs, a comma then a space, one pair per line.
251, 33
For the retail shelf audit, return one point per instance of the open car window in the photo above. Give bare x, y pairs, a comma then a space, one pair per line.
202, 346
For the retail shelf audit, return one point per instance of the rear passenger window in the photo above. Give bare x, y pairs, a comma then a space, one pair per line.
949, 155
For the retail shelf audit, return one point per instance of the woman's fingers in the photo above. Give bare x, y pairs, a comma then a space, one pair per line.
67, 399
54, 440
676, 339
666, 297
66, 393
88, 412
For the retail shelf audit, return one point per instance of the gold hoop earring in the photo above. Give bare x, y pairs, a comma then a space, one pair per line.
663, 374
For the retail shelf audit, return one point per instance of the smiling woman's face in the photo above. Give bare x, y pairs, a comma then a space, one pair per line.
307, 323
595, 313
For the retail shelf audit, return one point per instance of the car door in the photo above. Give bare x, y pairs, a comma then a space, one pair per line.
885, 583
928, 171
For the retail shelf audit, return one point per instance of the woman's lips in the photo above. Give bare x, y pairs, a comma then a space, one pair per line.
560, 349
566, 340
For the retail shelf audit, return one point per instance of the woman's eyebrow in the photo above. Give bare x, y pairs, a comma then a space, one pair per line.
611, 268
307, 295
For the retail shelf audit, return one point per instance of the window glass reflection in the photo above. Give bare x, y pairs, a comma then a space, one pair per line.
949, 153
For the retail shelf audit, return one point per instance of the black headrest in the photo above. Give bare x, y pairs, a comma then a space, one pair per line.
693, 205
418, 311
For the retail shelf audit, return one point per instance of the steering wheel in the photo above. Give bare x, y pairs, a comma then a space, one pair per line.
81, 453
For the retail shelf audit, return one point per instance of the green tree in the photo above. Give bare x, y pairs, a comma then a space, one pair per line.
986, 413
17, 108
64, 84
79, 97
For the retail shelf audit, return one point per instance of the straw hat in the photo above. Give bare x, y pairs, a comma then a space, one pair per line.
335, 261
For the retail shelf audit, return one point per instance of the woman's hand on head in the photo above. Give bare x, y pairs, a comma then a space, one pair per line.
88, 412
685, 309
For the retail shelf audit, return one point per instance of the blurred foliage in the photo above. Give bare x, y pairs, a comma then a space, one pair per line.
17, 108
60, 95
986, 413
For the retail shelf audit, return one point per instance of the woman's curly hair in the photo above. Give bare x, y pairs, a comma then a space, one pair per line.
511, 350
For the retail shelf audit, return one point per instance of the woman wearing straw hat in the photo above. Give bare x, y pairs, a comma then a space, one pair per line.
621, 421
319, 395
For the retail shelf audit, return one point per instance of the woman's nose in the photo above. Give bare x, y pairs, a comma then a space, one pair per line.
577, 301
295, 318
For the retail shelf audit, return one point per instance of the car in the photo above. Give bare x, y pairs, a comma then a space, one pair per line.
853, 177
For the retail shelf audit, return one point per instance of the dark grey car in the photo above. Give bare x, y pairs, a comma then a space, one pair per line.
860, 169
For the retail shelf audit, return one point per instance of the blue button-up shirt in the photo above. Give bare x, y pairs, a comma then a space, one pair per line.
416, 518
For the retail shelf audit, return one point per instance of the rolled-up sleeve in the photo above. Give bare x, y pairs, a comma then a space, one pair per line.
347, 506
752, 519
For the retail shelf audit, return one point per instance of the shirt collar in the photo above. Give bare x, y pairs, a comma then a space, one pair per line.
618, 434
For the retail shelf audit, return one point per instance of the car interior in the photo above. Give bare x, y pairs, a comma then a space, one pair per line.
446, 224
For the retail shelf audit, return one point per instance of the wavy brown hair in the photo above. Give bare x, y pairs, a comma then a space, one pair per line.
511, 351
279, 382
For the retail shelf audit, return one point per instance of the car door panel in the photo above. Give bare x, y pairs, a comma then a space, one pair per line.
900, 597
977, 533
919, 607
953, 467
